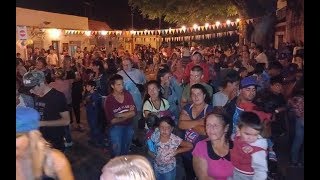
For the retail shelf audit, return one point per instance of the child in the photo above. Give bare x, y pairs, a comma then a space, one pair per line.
248, 154
168, 146
91, 99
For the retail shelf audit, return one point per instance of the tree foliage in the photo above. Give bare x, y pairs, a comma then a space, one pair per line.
186, 12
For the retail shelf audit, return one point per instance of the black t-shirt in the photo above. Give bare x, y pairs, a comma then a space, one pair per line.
70, 74
50, 106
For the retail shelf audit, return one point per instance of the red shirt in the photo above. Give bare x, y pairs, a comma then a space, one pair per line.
205, 68
112, 107
250, 107
241, 155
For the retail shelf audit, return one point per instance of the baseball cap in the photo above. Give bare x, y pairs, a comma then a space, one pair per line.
248, 81
27, 119
33, 78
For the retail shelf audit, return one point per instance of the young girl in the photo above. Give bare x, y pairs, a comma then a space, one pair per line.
248, 154
168, 146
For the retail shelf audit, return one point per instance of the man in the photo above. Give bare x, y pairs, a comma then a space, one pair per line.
132, 76
52, 59
261, 56
52, 106
197, 61
78, 55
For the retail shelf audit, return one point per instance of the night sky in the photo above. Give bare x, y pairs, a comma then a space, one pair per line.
116, 13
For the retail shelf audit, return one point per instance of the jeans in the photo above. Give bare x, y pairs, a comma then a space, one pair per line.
298, 140
95, 132
120, 139
171, 175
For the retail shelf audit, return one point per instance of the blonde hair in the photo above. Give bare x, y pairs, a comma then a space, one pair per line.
38, 149
129, 167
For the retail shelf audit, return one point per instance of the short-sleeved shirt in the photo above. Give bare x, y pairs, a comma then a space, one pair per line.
219, 168
219, 99
165, 160
50, 106
112, 107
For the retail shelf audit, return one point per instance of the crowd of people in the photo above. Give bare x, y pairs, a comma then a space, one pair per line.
219, 109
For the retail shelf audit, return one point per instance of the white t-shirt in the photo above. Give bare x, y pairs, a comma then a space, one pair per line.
219, 99
148, 106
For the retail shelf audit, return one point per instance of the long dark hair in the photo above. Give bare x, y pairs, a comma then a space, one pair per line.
99, 63
168, 120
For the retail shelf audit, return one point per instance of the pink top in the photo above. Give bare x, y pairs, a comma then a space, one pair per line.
219, 168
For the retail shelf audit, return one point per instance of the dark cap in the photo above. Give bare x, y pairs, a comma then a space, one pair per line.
248, 81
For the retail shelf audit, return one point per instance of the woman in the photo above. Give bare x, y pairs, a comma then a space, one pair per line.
35, 159
130, 167
171, 91
192, 121
154, 102
119, 109
211, 157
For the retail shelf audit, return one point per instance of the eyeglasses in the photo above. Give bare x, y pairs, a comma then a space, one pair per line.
214, 126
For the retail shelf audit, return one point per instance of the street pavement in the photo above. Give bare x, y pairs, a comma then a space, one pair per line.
87, 161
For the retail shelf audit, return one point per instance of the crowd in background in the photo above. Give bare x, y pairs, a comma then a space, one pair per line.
192, 103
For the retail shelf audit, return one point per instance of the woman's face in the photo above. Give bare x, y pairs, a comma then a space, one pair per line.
153, 90
197, 96
118, 86
215, 128
22, 143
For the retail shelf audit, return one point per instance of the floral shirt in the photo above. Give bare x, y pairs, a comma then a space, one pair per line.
165, 160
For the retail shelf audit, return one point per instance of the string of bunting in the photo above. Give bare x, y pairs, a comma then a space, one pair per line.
170, 31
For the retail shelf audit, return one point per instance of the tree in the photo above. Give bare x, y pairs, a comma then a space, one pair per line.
188, 12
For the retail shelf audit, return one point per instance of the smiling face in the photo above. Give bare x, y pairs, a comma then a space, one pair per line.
153, 91
165, 129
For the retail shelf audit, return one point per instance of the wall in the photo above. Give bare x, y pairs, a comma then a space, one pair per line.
34, 20
29, 17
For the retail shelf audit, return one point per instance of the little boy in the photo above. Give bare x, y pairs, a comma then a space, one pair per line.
91, 99
248, 154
